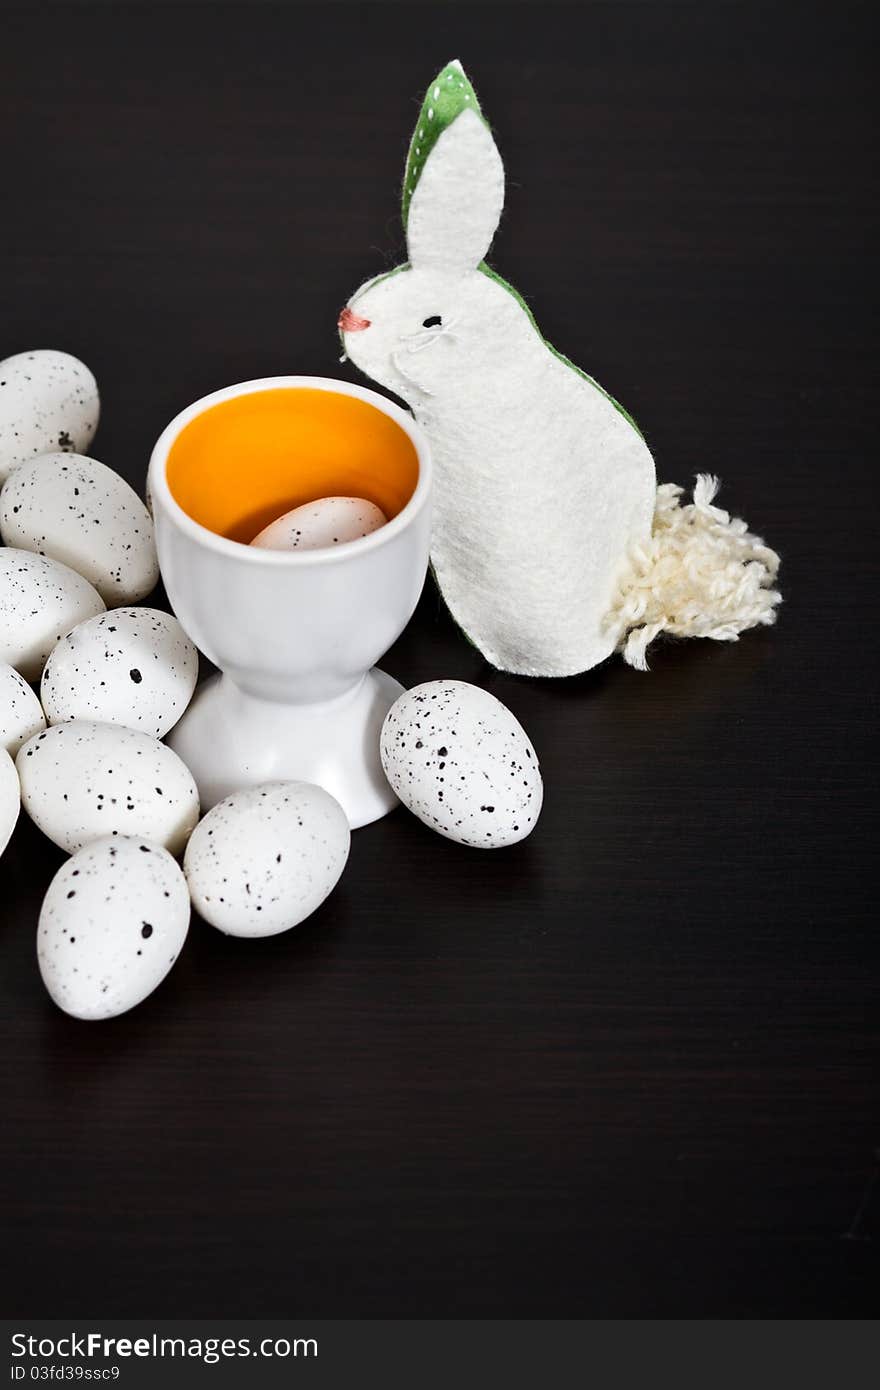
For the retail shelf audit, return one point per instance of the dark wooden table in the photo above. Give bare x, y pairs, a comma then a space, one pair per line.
628, 1066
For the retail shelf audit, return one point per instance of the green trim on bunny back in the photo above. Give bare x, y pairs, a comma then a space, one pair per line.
448, 96
505, 284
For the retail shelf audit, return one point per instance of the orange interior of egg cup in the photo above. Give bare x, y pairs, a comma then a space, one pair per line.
246, 461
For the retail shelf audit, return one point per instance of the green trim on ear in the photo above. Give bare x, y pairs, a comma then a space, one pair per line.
505, 284
448, 95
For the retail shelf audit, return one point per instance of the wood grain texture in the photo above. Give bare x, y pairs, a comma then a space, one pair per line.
624, 1068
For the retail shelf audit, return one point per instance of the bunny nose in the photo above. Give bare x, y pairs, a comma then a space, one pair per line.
350, 322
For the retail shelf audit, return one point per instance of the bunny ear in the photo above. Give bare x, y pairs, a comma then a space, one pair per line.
454, 185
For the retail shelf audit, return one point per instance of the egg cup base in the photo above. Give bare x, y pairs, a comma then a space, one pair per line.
230, 739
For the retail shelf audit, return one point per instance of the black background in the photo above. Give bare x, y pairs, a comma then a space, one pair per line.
625, 1067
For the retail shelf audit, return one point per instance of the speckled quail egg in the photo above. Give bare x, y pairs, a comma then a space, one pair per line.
264, 859
40, 600
132, 666
80, 512
83, 780
325, 522
48, 401
10, 798
461, 762
21, 713
112, 925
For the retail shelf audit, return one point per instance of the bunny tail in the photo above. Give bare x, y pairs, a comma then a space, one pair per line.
702, 574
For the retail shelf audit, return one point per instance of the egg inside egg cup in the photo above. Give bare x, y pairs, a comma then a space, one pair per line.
294, 634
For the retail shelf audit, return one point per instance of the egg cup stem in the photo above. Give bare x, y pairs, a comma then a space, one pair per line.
231, 739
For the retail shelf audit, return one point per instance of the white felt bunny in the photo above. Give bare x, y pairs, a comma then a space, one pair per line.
545, 542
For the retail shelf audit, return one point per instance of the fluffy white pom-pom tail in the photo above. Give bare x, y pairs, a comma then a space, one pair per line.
702, 574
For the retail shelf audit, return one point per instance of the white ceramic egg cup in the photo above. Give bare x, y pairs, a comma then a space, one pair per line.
295, 634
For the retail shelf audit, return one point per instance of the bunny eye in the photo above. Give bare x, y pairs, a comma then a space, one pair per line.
434, 321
